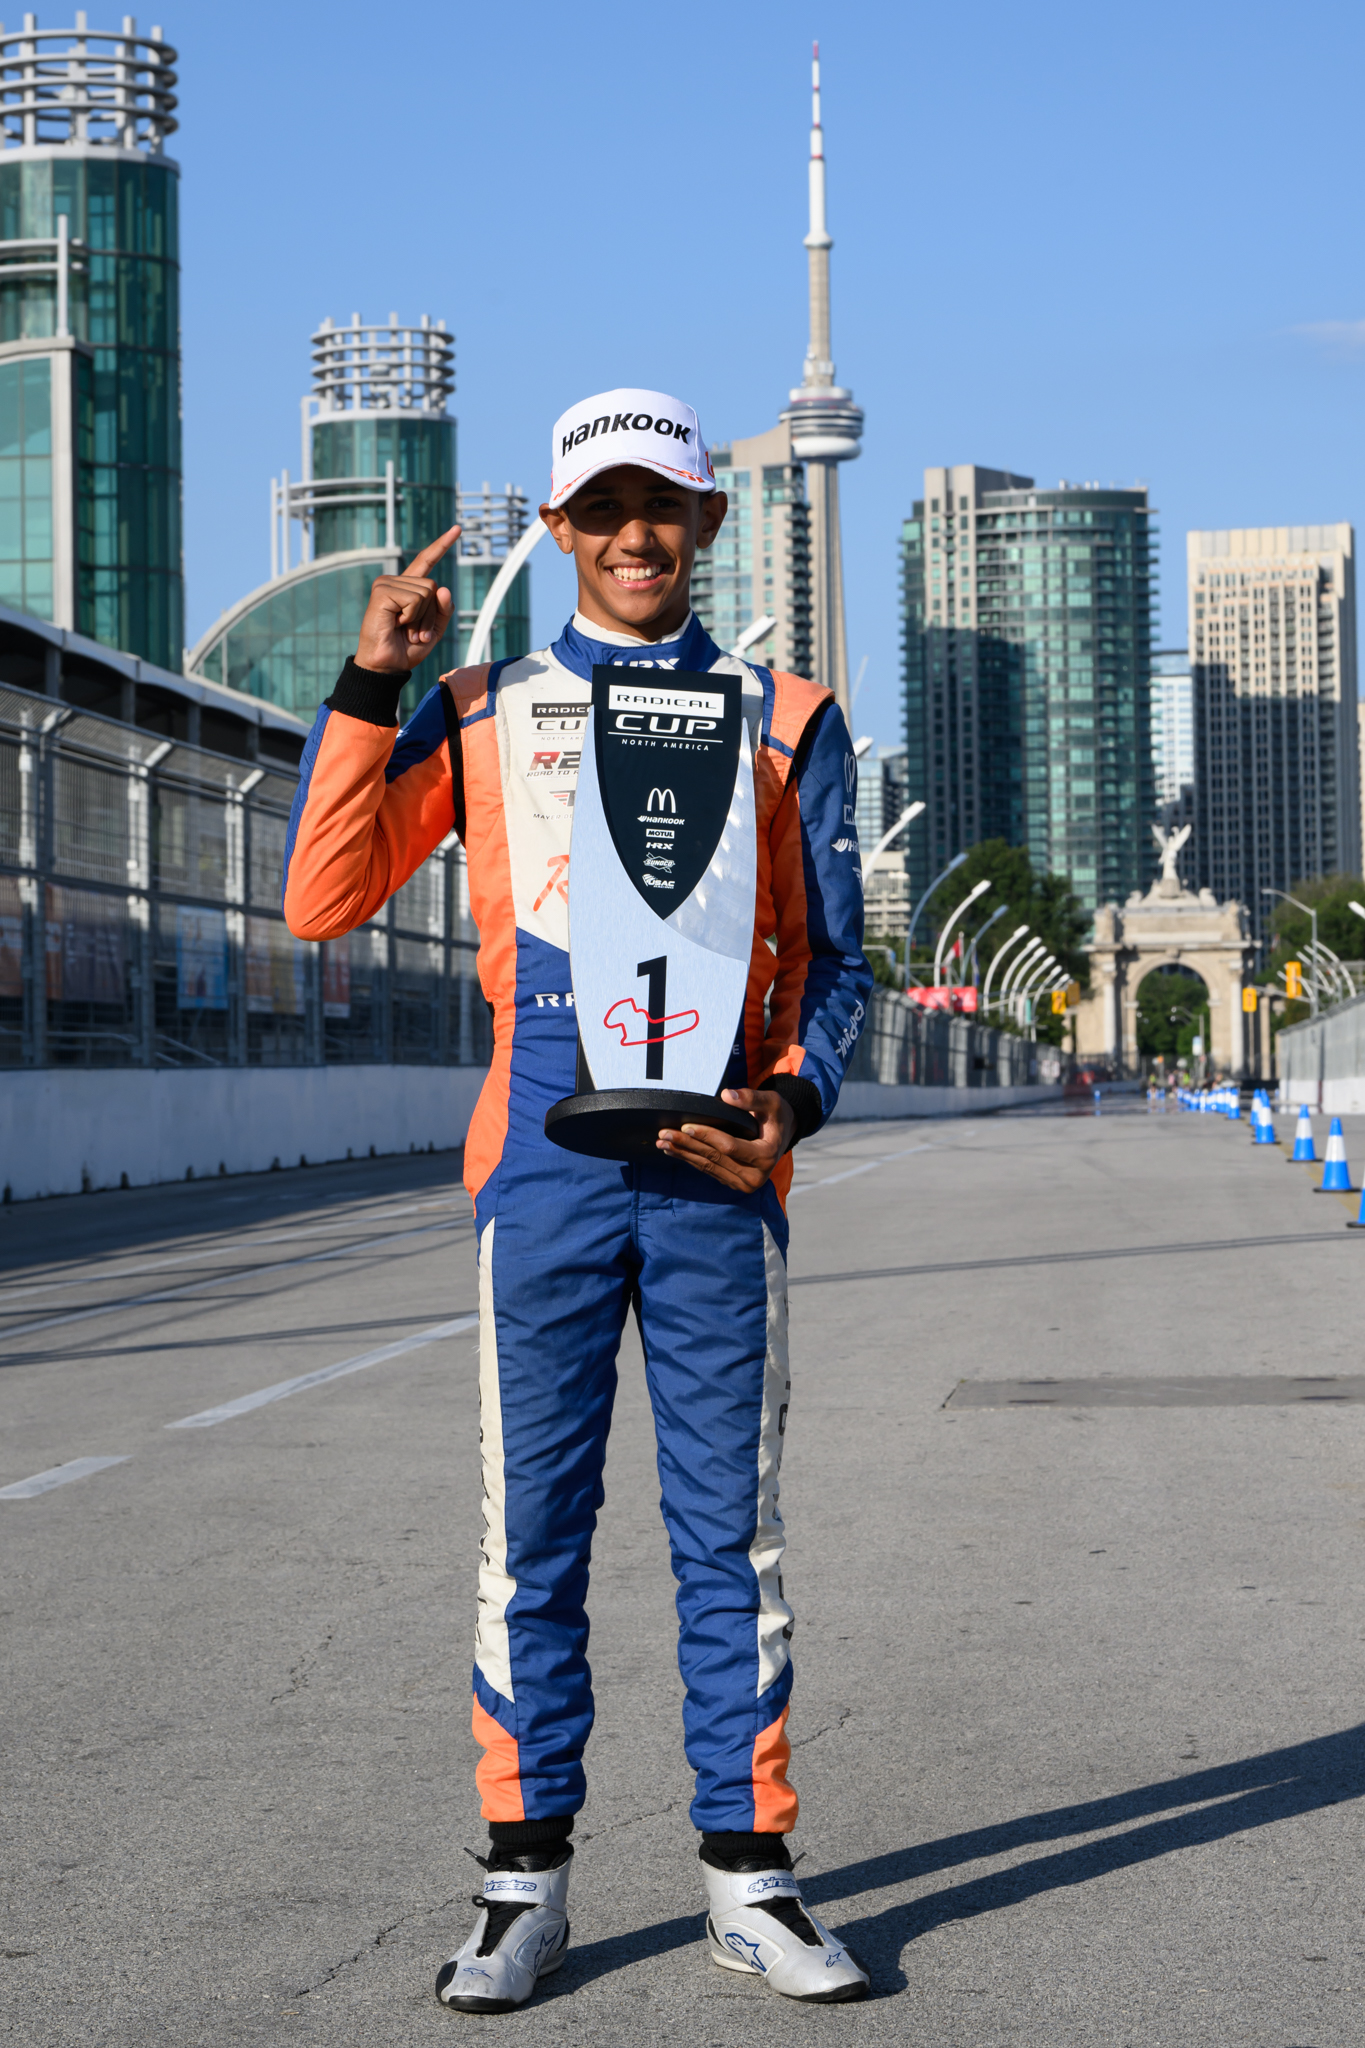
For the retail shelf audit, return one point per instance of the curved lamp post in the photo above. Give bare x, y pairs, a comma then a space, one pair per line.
1030, 982
1312, 915
1018, 933
907, 817
498, 589
1335, 971
954, 864
951, 920
978, 936
1019, 965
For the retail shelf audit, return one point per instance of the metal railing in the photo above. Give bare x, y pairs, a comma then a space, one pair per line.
140, 920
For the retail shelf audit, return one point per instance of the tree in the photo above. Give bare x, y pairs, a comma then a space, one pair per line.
1047, 904
1171, 1008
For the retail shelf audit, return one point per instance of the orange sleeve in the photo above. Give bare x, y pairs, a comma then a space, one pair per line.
372, 804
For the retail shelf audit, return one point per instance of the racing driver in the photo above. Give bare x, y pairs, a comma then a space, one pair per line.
695, 1241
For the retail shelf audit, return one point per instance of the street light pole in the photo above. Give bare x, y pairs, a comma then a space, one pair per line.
1019, 967
1313, 916
907, 817
954, 864
1036, 975
951, 920
972, 968
1018, 933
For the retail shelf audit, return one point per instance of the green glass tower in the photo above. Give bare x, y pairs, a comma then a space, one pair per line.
90, 462
379, 482
1026, 652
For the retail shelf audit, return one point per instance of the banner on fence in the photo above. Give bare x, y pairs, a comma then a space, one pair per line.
961, 1001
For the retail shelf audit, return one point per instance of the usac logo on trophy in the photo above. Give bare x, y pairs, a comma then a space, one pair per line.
662, 880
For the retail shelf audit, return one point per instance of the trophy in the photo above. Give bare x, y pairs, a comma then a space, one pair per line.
662, 879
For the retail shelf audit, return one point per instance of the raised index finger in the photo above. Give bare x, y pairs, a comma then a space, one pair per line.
421, 563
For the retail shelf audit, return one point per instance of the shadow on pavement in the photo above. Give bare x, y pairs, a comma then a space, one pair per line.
1251, 1793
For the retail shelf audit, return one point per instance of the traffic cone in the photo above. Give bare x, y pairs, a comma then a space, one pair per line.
1336, 1174
1358, 1222
1234, 1106
1303, 1153
1262, 1123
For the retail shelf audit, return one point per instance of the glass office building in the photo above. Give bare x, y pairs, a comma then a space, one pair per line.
90, 462
1026, 650
379, 481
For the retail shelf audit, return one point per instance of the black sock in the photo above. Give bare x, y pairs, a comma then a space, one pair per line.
730, 1851
535, 1844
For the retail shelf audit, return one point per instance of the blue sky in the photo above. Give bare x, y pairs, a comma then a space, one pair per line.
1077, 242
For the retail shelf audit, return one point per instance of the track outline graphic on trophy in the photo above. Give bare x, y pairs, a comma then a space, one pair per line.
655, 972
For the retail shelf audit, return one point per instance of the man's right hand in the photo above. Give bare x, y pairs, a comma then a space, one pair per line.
406, 614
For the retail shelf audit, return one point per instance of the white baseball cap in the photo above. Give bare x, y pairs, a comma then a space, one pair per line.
647, 429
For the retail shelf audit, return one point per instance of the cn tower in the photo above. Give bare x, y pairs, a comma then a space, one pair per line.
826, 429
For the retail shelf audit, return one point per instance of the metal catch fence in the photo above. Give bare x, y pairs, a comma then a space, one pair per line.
140, 919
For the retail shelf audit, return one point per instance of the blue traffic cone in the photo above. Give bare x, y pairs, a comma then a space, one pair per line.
1234, 1106
1262, 1123
1358, 1222
1303, 1153
1336, 1174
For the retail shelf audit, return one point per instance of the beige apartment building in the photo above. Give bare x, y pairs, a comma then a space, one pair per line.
760, 565
1273, 659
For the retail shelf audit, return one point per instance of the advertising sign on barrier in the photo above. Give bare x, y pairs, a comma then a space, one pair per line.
963, 1002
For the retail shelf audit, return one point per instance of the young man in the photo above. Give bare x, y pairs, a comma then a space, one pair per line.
696, 1241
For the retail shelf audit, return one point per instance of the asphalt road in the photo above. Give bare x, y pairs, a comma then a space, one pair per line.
1078, 1713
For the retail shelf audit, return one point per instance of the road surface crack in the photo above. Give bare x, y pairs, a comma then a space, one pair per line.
830, 1728
299, 1673
378, 1941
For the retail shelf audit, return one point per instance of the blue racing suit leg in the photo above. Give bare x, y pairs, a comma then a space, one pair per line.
560, 1255
713, 1318
556, 1270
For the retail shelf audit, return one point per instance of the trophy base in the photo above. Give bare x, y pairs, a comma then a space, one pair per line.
624, 1123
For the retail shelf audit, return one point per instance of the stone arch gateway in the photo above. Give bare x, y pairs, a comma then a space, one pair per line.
1169, 927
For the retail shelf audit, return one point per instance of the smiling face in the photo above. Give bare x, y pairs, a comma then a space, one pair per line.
633, 536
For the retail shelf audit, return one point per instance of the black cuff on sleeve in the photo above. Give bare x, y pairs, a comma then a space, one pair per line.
804, 1097
367, 693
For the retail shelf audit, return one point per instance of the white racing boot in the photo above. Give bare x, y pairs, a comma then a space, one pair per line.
520, 1936
758, 1924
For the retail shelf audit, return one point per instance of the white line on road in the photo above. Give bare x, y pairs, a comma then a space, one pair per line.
246, 1402
205, 1282
59, 1475
831, 1178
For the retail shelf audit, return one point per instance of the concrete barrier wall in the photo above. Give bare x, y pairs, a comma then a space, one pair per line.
867, 1101
64, 1130
1322, 1062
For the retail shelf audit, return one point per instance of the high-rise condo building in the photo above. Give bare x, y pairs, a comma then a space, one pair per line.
826, 430
882, 796
1173, 736
90, 472
1273, 641
759, 564
378, 483
1026, 648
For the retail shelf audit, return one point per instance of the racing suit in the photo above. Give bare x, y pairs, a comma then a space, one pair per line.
568, 1244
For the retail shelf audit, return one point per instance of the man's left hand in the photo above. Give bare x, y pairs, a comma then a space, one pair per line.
744, 1163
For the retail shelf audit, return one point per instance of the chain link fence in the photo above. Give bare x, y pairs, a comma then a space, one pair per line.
140, 920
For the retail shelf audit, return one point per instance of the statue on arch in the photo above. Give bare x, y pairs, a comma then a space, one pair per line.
1170, 844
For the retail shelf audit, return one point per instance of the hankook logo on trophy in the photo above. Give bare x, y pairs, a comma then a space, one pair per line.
662, 877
